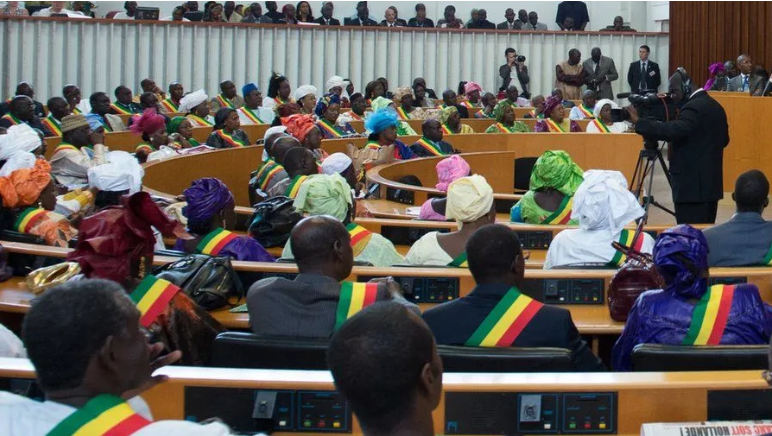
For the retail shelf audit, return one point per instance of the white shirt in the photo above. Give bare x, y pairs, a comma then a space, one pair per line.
70, 167
613, 128
122, 16
265, 115
578, 246
427, 251
71, 14
170, 18
10, 344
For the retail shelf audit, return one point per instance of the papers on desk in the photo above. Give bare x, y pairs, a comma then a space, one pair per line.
413, 211
713, 428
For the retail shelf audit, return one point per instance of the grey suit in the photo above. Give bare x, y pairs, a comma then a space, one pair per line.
300, 308
755, 84
529, 26
505, 25
606, 71
743, 240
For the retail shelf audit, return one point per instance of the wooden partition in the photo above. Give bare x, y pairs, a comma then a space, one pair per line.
479, 125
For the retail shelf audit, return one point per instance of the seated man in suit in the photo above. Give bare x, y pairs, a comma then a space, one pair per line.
317, 301
385, 362
22, 111
24, 88
327, 19
100, 105
226, 98
431, 144
477, 320
746, 239
362, 17
510, 23
746, 81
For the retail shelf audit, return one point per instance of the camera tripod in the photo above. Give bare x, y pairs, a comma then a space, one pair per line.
644, 177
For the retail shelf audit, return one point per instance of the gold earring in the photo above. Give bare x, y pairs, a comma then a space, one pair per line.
142, 268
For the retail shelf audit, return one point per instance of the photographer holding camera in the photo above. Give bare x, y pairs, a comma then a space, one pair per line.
515, 66
697, 139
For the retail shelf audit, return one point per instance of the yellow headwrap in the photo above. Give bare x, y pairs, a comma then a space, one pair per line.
324, 194
469, 199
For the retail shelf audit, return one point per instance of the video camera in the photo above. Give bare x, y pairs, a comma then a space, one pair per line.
649, 105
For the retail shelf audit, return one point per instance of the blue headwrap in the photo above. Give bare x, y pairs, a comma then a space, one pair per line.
381, 119
95, 121
249, 87
325, 102
205, 198
681, 256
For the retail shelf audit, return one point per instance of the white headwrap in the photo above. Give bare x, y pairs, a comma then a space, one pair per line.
599, 105
603, 201
304, 91
122, 172
337, 81
192, 100
19, 160
469, 199
20, 137
336, 163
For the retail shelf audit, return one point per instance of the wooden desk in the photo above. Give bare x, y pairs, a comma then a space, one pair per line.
479, 125
642, 397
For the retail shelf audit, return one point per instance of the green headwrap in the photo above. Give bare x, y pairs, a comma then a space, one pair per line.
380, 103
498, 111
174, 124
323, 194
556, 169
446, 113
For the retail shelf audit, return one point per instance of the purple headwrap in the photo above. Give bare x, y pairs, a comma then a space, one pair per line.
205, 198
324, 103
681, 256
713, 69
550, 104
450, 169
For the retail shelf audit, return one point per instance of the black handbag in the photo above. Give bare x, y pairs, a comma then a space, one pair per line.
273, 221
210, 281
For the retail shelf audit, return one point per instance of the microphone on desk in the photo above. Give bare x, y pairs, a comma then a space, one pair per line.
766, 87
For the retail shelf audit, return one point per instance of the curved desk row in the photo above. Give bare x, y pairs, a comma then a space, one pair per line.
622, 402
479, 125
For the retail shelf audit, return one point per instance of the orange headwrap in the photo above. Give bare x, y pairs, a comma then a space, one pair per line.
299, 125
23, 187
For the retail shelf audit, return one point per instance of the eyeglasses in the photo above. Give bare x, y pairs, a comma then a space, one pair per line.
767, 376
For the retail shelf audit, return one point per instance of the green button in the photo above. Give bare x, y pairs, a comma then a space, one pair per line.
307, 423
572, 425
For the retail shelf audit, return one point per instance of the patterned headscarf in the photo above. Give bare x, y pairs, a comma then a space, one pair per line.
556, 169
446, 113
323, 194
550, 103
449, 170
381, 119
205, 198
401, 92
23, 186
498, 111
380, 103
471, 87
299, 126
325, 102
681, 256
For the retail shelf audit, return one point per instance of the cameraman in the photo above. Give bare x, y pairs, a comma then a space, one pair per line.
697, 140
515, 66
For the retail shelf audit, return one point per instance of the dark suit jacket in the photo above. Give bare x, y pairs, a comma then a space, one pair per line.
698, 138
5, 107
355, 22
755, 84
505, 26
454, 322
744, 240
413, 22
481, 25
522, 77
34, 123
399, 23
419, 151
333, 21
634, 76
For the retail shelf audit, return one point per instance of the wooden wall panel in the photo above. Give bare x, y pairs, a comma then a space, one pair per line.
702, 33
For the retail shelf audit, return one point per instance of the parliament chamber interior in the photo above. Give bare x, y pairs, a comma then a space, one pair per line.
336, 218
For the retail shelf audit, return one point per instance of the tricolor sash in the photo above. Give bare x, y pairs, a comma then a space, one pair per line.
534, 115
626, 239
563, 213
430, 147
373, 145
588, 113
468, 104
266, 172
768, 258
329, 129
52, 125
233, 141
553, 126
65, 146
504, 129
151, 296
360, 236
213, 243
147, 148
710, 316
354, 116
506, 321
353, 298
170, 106
14, 121
106, 125
402, 114
224, 101
460, 261
279, 101
294, 186
251, 115
601, 126
199, 122
447, 130
103, 415
121, 109
28, 219
77, 111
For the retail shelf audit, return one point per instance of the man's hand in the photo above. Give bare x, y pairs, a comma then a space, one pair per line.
395, 290
156, 362
633, 114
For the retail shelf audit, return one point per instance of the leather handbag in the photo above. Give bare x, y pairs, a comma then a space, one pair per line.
210, 281
637, 275
273, 221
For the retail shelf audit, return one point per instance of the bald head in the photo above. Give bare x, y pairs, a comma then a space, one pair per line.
281, 146
300, 161
322, 245
270, 140
751, 191
22, 107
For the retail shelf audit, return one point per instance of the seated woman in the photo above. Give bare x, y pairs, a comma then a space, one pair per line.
279, 91
196, 107
472, 92
327, 111
383, 125
448, 170
180, 131
304, 129
406, 111
331, 195
717, 80
117, 244
603, 122
28, 195
504, 114
211, 215
403, 128
305, 96
470, 203
357, 112
554, 180
603, 206
556, 120
226, 132
373, 90
689, 311
451, 122
152, 127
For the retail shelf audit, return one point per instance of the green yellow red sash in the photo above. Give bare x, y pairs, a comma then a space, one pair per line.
14, 121
215, 241
332, 131
353, 298
77, 111
534, 115
266, 172
225, 102
121, 109
28, 219
279, 101
200, 122
402, 114
354, 116
601, 126
430, 147
294, 186
563, 213
553, 126
65, 146
586, 112
151, 297
447, 130
170, 106
506, 321
626, 239
504, 129
147, 148
251, 115
359, 237
230, 139
52, 125
460, 261
710, 316
468, 104
193, 142
373, 145
103, 415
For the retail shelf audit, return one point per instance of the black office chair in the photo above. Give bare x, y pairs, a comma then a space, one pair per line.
23, 264
523, 168
664, 358
474, 359
247, 350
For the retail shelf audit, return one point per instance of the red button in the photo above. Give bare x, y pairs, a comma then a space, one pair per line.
321, 424
587, 425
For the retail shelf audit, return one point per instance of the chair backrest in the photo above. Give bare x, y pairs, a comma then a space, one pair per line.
663, 358
474, 359
523, 168
247, 350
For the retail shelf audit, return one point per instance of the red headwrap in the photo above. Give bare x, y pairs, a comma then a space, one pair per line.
150, 122
299, 125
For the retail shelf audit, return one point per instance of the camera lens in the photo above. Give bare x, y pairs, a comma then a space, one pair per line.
521, 58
